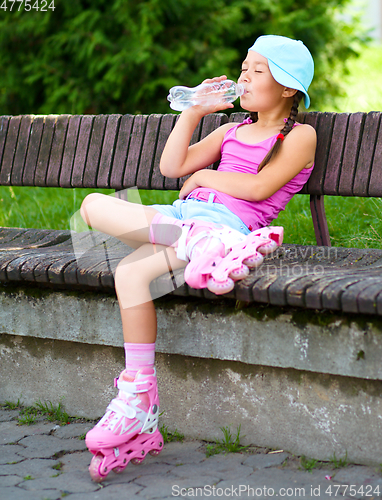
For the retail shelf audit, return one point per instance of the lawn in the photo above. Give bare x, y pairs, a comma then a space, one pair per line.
354, 222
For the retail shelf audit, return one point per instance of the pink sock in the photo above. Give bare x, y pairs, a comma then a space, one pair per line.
165, 230
139, 356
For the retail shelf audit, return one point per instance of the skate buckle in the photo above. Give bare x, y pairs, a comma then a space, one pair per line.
116, 452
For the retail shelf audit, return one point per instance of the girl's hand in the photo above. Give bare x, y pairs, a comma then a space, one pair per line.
191, 183
215, 108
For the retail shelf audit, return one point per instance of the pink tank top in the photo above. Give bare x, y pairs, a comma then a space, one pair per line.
237, 156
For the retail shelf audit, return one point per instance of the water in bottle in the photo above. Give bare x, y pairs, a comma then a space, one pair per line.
205, 94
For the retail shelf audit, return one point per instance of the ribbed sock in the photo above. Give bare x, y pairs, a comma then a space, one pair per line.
165, 230
139, 356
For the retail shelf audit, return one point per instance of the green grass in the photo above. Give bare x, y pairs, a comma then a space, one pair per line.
353, 222
229, 443
29, 414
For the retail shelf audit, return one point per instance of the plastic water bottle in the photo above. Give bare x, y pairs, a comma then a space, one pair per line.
205, 94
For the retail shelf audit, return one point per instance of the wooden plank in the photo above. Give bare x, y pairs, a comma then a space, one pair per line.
260, 290
8, 234
351, 152
211, 123
93, 157
56, 270
323, 123
10, 150
21, 150
70, 151
295, 293
134, 151
44, 152
82, 148
375, 182
33, 151
350, 296
57, 151
121, 152
238, 117
158, 181
146, 161
331, 295
40, 269
108, 150
315, 293
334, 162
366, 154
368, 297
4, 122
321, 230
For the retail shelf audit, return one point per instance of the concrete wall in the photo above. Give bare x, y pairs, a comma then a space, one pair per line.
315, 389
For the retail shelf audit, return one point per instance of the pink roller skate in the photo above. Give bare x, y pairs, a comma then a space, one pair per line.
202, 243
244, 255
129, 428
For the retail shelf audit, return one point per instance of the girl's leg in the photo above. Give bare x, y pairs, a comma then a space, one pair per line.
128, 222
132, 282
129, 429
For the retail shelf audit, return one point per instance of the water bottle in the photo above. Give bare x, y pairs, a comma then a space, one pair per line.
205, 94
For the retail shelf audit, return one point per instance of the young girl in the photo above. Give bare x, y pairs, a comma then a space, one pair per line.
264, 162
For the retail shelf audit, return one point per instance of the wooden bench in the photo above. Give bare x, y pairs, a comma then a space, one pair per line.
118, 152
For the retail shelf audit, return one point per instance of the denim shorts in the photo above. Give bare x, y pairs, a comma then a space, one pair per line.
209, 211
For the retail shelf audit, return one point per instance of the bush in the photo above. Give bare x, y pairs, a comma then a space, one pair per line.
122, 56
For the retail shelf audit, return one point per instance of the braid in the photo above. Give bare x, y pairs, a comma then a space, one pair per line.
285, 131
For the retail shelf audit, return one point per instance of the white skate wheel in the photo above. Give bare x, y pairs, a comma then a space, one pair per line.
218, 287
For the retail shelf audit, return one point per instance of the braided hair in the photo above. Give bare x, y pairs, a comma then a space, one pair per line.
285, 131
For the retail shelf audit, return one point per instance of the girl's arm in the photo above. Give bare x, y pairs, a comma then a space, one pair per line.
178, 158
296, 153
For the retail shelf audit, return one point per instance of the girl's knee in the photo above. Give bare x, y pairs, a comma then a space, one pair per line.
85, 205
128, 274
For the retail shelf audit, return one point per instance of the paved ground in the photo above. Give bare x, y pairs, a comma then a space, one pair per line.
46, 461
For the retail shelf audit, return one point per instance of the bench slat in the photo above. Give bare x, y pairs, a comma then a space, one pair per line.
83, 143
134, 151
158, 181
296, 290
44, 152
366, 154
148, 152
121, 152
375, 183
33, 150
56, 270
351, 152
367, 299
350, 297
331, 294
4, 123
21, 150
10, 150
108, 151
57, 151
69, 150
333, 170
323, 123
94, 154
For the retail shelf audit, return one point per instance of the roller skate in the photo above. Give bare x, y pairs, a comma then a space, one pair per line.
231, 258
129, 428
243, 256
202, 243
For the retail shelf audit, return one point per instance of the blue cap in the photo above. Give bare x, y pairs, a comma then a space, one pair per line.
289, 61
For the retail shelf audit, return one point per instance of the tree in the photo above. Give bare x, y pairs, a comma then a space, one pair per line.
122, 56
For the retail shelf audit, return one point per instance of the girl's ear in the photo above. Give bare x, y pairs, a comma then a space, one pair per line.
289, 92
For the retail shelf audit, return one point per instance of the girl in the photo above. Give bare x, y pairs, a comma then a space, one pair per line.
264, 162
